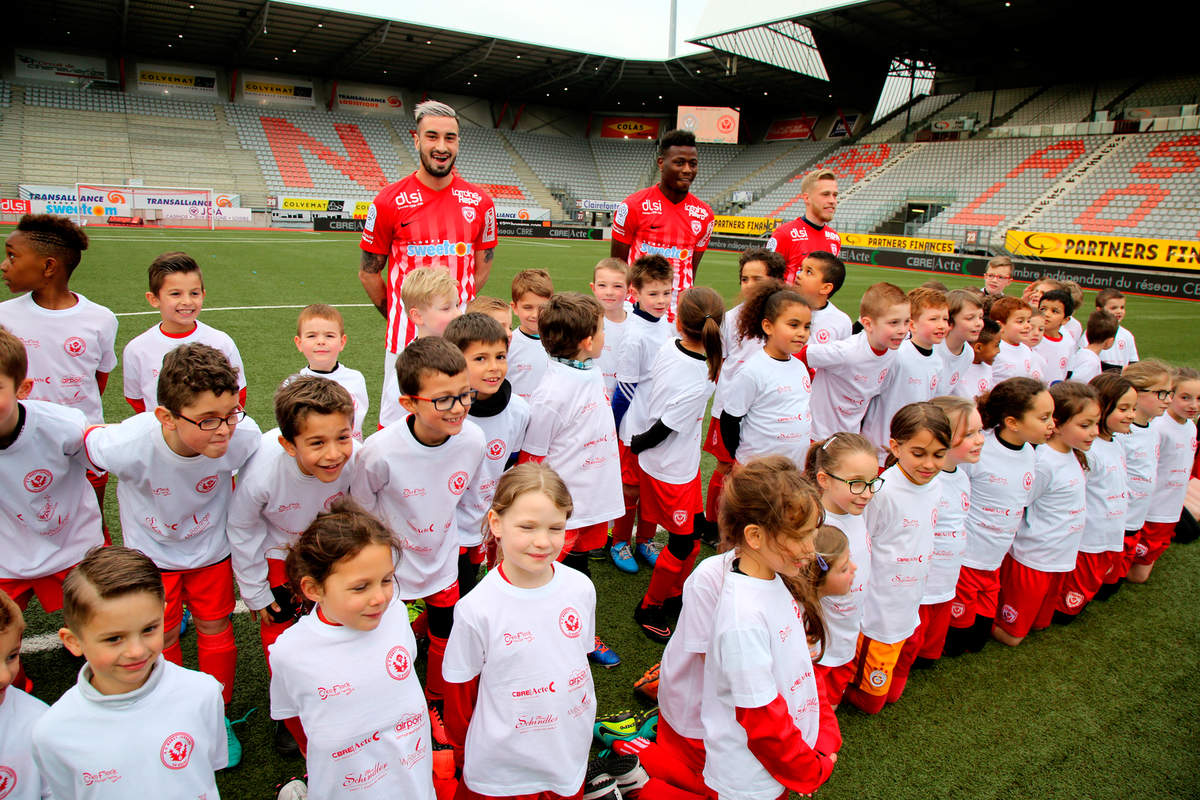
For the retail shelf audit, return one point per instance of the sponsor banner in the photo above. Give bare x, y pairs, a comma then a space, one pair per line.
522, 213
838, 131
710, 123
897, 242
97, 208
337, 224
133, 222
131, 196
14, 207
271, 91
1151, 253
598, 205
41, 65
630, 128
355, 208
545, 230
797, 128
222, 213
745, 226
954, 124
734, 244
189, 81
369, 99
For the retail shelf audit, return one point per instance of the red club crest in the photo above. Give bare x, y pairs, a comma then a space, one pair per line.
569, 623
1027, 481
457, 482
495, 449
75, 346
8, 781
206, 485
39, 480
176, 751
399, 663
823, 336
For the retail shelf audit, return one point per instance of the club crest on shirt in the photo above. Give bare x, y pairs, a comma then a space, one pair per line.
207, 484
823, 336
176, 750
399, 663
569, 623
457, 482
8, 781
38, 480
75, 346
696, 226
468, 213
333, 498
1027, 480
495, 449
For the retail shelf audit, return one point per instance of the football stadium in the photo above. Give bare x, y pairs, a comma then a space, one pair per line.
256, 136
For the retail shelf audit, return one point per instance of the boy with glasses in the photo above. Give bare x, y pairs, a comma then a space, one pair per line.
174, 466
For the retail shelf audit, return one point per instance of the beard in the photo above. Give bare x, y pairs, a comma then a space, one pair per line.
434, 168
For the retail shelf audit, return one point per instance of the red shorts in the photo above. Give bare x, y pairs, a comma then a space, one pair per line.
1116, 567
1154, 540
1131, 547
935, 624
671, 505
208, 592
1081, 584
836, 679
714, 444
585, 539
975, 596
631, 473
445, 598
277, 572
1025, 595
48, 589
874, 664
686, 753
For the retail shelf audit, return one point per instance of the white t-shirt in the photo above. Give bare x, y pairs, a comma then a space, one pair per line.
19, 776
165, 739
1124, 350
736, 350
954, 367
1013, 360
416, 490
912, 379
1000, 486
272, 505
529, 648
1176, 455
1107, 500
682, 670
173, 508
1141, 464
901, 519
1037, 369
679, 392
1084, 365
1048, 539
361, 705
1057, 354
574, 429
66, 348
758, 652
774, 398
606, 362
976, 380
1074, 328
48, 513
503, 435
829, 324
949, 537
843, 612
354, 383
527, 363
144, 356
848, 374
635, 364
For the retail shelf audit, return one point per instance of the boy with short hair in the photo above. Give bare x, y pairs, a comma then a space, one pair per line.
1014, 357
48, 513
575, 434
820, 276
1101, 333
610, 285
18, 713
412, 475
177, 291
997, 276
133, 723
501, 415
1072, 326
321, 337
648, 330
527, 361
1123, 351
175, 468
1056, 346
1037, 329
849, 372
914, 377
978, 377
495, 308
965, 308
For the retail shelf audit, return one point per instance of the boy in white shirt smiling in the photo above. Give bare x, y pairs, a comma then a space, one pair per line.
321, 337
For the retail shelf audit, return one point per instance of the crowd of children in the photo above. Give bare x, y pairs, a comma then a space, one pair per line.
967, 466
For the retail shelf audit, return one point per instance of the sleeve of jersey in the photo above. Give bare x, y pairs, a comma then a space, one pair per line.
1133, 353
235, 360
487, 228
657, 434
777, 744
775, 244
826, 355
247, 531
829, 734
96, 441
282, 704
57, 775
130, 381
218, 742
625, 224
538, 437
370, 475
377, 230
709, 224
108, 338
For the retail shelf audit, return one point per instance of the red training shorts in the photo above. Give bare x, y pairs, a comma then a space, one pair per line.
1025, 594
1080, 585
974, 596
836, 679
48, 589
671, 505
208, 592
631, 473
1154, 540
714, 444
585, 539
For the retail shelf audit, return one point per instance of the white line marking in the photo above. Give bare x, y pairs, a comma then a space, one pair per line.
49, 641
245, 308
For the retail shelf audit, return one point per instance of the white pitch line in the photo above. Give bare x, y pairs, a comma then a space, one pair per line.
49, 641
245, 308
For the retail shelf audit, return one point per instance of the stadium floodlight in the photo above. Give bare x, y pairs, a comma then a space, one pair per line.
906, 80
165, 206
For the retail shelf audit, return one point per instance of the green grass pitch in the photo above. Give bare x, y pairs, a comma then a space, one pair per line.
1104, 708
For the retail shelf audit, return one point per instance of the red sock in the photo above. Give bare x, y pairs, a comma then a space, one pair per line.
435, 685
218, 657
716, 482
174, 654
297, 730
664, 578
622, 529
688, 564
269, 632
646, 530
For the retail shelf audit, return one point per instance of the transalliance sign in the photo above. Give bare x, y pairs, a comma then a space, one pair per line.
710, 123
186, 81
897, 242
1153, 253
41, 65
630, 128
797, 128
369, 99
745, 226
271, 91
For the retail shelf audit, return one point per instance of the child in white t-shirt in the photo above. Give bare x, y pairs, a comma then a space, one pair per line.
527, 360
901, 519
682, 380
347, 668
1085, 362
1057, 345
133, 720
1014, 359
520, 699
1037, 329
957, 349
1123, 351
817, 280
19, 776
495, 308
977, 379
321, 337
610, 285
177, 291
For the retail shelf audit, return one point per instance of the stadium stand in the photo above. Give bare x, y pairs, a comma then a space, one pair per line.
760, 167
625, 166
850, 164
979, 104
921, 110
5, 94
1176, 90
115, 103
563, 164
1069, 103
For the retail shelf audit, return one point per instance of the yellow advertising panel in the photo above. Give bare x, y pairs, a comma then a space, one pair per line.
870, 240
745, 226
304, 204
361, 208
1168, 253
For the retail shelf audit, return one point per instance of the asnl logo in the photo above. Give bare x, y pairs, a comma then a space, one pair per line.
443, 248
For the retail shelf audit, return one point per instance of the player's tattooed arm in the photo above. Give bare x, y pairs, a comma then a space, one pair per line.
370, 274
483, 267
